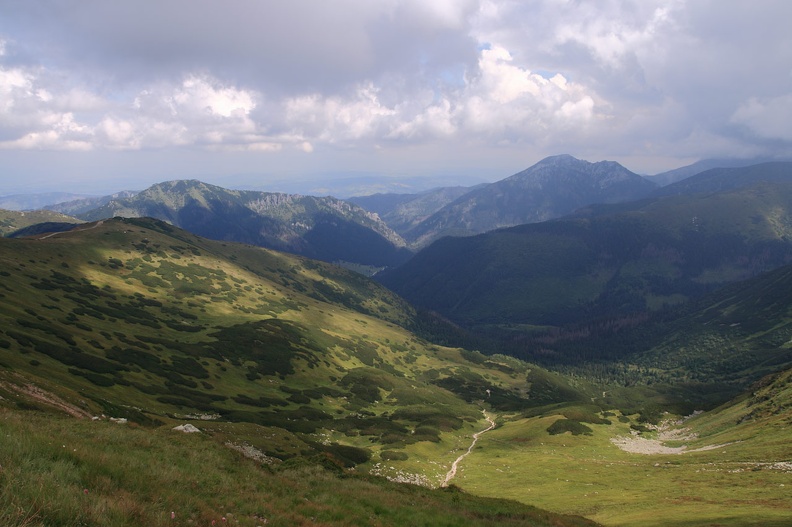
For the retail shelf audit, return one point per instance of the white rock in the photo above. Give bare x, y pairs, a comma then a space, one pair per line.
187, 429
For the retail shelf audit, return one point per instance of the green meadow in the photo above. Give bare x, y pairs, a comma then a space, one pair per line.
744, 479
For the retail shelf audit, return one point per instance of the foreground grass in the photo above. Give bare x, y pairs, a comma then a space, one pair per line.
66, 472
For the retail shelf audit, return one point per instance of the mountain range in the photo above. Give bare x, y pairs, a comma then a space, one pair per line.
604, 260
641, 331
554, 187
322, 228
376, 237
403, 212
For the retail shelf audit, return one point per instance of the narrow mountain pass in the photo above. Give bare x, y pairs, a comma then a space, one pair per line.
451, 473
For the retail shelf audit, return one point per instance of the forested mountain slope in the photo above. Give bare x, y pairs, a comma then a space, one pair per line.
607, 261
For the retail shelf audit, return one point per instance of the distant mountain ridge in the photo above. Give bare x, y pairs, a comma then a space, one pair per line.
325, 228
83, 205
403, 212
606, 259
678, 174
729, 178
22, 202
551, 188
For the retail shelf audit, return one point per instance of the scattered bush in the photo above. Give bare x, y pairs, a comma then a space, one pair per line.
567, 425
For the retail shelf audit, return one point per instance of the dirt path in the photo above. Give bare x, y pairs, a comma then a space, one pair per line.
455, 464
27, 389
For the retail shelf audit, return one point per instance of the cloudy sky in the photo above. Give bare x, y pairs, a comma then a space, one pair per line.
103, 96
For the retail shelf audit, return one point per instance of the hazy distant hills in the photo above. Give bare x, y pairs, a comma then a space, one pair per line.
20, 202
82, 205
403, 212
323, 228
549, 189
606, 260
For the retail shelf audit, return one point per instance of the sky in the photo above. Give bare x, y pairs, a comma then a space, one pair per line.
98, 96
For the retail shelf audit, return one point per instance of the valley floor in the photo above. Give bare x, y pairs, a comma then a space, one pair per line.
592, 477
617, 478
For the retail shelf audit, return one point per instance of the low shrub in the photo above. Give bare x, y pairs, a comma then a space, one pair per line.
394, 455
568, 425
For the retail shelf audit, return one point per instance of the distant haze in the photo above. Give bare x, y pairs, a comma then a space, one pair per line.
97, 97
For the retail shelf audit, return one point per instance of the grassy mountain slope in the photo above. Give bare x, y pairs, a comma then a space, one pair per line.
735, 335
12, 221
554, 187
286, 360
323, 228
135, 318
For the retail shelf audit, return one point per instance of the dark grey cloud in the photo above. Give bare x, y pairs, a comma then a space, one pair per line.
281, 46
